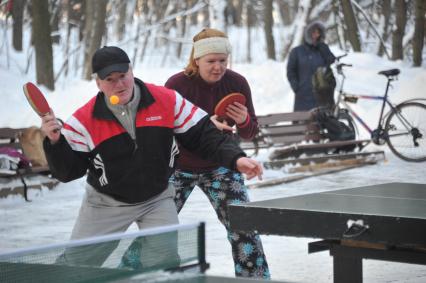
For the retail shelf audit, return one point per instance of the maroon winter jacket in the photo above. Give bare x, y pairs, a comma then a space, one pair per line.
206, 96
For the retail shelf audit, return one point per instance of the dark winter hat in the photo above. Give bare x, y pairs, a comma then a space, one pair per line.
109, 59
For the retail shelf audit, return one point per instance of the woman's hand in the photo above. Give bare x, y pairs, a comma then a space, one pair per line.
221, 125
237, 112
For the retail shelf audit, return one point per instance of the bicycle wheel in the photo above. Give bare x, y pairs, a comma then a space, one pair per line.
344, 116
405, 131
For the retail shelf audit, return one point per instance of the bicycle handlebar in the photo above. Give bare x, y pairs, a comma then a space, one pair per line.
343, 65
341, 56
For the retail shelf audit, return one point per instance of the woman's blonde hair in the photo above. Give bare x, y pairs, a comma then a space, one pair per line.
192, 69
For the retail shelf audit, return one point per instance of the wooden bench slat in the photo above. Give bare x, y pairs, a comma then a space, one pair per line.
288, 139
284, 117
10, 133
290, 129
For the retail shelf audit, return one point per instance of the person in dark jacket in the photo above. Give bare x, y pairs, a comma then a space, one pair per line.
124, 138
204, 82
303, 62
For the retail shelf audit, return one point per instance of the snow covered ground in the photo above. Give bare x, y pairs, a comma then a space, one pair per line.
50, 216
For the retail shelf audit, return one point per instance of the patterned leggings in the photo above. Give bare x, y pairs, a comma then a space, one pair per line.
223, 187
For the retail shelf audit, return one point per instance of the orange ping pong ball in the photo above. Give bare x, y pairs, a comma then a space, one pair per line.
114, 99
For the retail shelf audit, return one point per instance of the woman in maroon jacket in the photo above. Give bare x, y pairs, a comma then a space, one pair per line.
204, 82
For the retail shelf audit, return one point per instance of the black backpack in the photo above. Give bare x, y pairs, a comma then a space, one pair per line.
334, 129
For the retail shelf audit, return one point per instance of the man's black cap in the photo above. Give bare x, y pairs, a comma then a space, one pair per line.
109, 59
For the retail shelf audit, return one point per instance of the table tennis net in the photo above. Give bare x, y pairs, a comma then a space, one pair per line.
107, 258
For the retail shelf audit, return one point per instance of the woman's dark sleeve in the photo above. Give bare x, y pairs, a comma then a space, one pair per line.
249, 128
292, 75
326, 53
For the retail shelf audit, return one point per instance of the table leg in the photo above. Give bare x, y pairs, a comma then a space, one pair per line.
347, 269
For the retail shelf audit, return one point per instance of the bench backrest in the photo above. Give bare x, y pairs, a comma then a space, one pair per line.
280, 129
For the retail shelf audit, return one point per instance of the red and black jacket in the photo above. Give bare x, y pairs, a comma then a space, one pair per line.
132, 171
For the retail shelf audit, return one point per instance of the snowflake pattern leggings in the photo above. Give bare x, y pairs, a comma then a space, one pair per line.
224, 187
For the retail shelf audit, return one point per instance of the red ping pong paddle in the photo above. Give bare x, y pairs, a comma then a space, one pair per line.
220, 109
36, 99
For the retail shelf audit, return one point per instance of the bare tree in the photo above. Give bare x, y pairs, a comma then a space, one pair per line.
217, 15
385, 19
268, 23
250, 19
352, 31
95, 28
120, 24
419, 32
55, 11
42, 43
17, 15
285, 11
400, 9
181, 26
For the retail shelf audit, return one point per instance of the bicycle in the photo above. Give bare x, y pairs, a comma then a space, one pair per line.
401, 128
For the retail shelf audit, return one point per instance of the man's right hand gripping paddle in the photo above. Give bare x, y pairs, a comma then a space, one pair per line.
50, 125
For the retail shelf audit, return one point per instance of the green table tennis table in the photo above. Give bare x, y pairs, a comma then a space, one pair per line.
382, 222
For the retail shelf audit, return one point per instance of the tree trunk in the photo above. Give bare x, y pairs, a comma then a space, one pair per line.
17, 15
181, 26
250, 23
42, 43
120, 25
268, 28
352, 30
217, 15
386, 13
238, 12
398, 33
419, 32
95, 29
55, 10
285, 12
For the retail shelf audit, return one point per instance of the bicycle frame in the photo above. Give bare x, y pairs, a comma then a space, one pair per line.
343, 96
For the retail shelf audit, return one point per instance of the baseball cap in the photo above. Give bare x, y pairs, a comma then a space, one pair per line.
109, 59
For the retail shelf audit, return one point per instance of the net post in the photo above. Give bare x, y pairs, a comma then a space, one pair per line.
202, 247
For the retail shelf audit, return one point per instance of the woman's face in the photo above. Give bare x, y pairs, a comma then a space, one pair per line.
316, 34
119, 84
212, 66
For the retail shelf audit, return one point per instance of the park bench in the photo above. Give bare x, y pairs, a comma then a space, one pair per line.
298, 144
17, 181
293, 134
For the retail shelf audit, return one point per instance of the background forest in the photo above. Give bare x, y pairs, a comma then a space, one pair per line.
58, 36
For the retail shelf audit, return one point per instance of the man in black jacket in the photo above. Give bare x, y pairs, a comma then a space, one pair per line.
124, 139
302, 63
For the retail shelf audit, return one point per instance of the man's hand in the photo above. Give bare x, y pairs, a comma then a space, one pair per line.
222, 126
250, 167
51, 127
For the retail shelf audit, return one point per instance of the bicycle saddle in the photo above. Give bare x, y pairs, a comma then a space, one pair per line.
390, 73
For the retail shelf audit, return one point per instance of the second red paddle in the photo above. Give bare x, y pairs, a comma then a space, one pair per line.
220, 109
